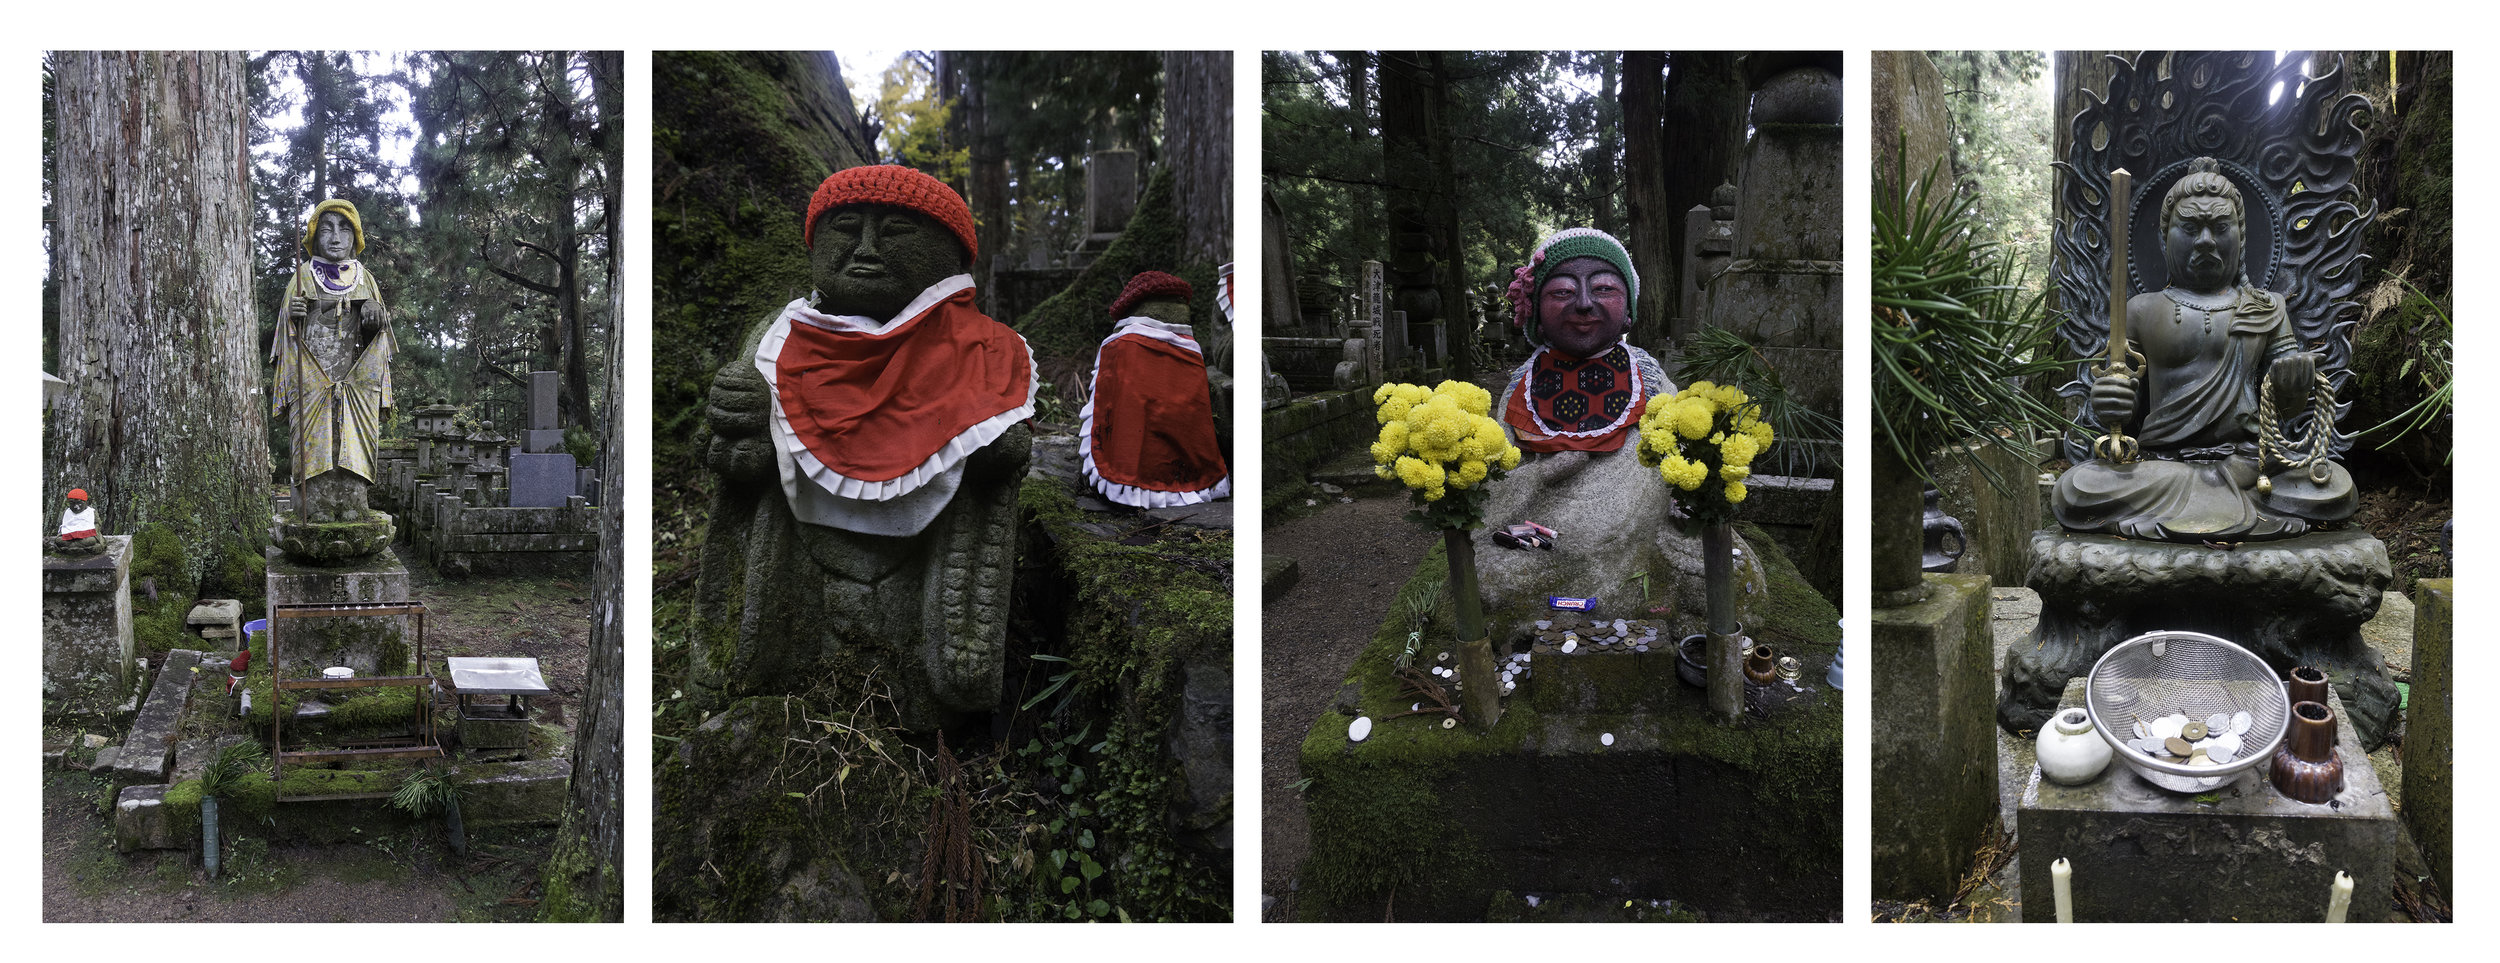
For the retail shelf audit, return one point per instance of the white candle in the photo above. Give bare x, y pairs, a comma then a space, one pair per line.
2062, 875
2339, 898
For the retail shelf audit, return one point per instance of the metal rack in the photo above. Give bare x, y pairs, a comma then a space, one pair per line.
423, 742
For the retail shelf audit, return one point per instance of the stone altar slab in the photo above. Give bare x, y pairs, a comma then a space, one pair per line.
2243, 853
89, 663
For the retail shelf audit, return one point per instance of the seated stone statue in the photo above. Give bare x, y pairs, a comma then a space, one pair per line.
868, 440
1148, 426
2211, 343
1574, 408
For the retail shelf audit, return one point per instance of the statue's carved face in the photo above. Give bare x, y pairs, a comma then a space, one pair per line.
2202, 244
334, 237
1168, 312
1584, 306
871, 260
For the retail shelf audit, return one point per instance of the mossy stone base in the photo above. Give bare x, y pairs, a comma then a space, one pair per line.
331, 543
370, 644
2430, 727
90, 660
1935, 741
1742, 820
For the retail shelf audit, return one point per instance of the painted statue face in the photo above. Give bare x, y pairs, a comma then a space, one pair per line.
871, 260
1584, 307
2202, 244
334, 238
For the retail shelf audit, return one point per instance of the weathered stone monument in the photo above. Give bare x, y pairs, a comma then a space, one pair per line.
542, 473
89, 663
1780, 286
332, 387
869, 441
2209, 498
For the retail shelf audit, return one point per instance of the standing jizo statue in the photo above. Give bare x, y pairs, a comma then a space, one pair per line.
2221, 377
333, 352
869, 440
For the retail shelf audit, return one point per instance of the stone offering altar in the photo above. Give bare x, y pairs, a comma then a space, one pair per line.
2206, 497
89, 664
332, 387
2241, 853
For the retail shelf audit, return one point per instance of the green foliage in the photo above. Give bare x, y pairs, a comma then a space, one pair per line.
1072, 322
1721, 356
916, 116
425, 792
2001, 145
233, 763
2436, 372
1955, 335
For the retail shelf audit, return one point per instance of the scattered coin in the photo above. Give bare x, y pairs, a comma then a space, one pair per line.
2177, 746
1360, 730
1568, 646
1606, 739
2218, 722
2220, 755
1448, 723
1640, 648
2192, 731
2240, 721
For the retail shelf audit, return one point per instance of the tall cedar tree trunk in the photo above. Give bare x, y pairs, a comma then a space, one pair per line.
1415, 149
162, 421
1444, 213
592, 842
1600, 160
987, 177
1645, 193
1358, 95
1706, 102
1198, 144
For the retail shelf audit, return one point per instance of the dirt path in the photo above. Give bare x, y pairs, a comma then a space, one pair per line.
1353, 557
402, 873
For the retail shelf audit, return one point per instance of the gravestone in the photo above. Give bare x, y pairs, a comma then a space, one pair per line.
89, 662
542, 472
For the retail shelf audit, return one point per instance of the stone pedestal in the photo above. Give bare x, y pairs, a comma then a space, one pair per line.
218, 623
2293, 602
88, 659
2430, 779
2242, 853
374, 644
1934, 746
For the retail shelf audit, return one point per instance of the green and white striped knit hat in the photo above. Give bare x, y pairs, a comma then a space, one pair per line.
1562, 246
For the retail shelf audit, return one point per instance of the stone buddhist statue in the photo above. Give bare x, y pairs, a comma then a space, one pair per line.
1148, 425
1574, 408
332, 386
2214, 346
869, 440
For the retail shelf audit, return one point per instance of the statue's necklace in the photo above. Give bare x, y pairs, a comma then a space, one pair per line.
2179, 305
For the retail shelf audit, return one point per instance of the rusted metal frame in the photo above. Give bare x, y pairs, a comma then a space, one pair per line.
432, 744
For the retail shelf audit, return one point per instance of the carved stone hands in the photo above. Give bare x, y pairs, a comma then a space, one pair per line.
740, 401
2113, 399
2289, 379
369, 317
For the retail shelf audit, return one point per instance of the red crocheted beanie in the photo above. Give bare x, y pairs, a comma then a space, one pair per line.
1149, 286
894, 186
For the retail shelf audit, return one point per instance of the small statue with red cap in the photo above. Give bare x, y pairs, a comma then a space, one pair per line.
1148, 426
77, 531
869, 439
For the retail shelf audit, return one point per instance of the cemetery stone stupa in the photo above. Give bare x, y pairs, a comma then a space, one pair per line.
869, 440
332, 387
2207, 497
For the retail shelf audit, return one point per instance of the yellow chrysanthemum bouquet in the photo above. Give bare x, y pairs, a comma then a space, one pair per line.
1444, 447
1441, 444
1703, 440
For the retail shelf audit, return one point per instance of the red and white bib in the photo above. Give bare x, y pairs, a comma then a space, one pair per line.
1148, 429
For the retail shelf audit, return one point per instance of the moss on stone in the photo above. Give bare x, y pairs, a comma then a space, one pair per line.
1071, 322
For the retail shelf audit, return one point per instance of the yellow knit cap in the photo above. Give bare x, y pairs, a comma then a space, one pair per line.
312, 222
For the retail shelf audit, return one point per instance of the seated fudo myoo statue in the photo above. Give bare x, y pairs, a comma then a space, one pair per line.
1148, 427
1575, 408
332, 352
2212, 462
868, 440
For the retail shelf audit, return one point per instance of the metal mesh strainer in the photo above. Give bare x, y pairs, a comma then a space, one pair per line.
2158, 676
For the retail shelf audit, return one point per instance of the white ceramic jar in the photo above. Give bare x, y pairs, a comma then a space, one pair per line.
2071, 754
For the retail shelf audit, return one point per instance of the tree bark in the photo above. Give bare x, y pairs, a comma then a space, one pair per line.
590, 849
1198, 144
163, 419
1706, 105
1645, 193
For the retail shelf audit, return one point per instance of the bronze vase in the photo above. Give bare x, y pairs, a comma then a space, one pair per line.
1760, 666
2306, 685
2306, 767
